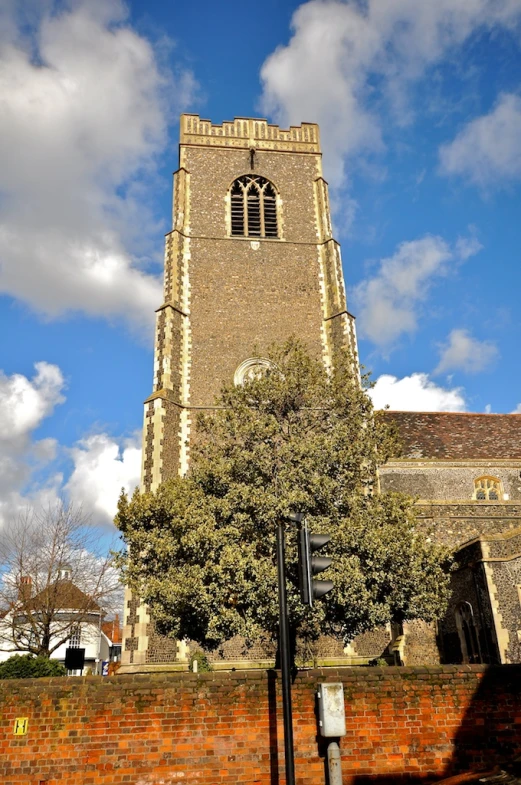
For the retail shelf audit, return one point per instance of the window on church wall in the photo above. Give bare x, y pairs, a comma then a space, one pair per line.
253, 208
252, 369
487, 489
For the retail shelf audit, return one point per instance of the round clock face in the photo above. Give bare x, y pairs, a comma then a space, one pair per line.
251, 369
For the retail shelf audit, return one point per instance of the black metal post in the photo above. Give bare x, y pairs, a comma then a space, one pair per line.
284, 651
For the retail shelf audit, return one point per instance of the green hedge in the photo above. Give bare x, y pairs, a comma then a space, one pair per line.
25, 666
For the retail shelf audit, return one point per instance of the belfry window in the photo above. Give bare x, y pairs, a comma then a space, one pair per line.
253, 207
487, 489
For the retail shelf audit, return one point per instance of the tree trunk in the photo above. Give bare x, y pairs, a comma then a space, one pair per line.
45, 645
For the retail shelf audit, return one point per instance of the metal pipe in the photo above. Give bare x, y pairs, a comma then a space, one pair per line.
334, 764
284, 651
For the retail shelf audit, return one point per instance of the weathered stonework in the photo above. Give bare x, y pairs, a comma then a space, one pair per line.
450, 481
223, 294
444, 455
226, 296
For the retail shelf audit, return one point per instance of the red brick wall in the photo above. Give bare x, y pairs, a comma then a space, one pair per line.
220, 729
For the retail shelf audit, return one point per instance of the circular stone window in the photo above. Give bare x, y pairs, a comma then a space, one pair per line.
251, 369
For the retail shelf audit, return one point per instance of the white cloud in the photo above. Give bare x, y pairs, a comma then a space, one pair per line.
462, 352
81, 121
346, 215
416, 393
101, 468
345, 56
488, 150
24, 404
467, 247
102, 464
517, 410
388, 302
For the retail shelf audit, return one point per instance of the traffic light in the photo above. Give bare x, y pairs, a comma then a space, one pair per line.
310, 565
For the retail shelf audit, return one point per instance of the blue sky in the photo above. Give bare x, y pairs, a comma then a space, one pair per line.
420, 113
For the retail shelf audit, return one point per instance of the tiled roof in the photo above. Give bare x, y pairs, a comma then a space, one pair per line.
112, 629
62, 594
458, 436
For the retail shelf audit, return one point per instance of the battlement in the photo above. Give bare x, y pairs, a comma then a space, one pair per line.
248, 132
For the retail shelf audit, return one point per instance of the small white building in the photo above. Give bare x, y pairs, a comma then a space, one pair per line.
76, 618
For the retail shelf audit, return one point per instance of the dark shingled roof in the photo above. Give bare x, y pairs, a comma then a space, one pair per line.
457, 436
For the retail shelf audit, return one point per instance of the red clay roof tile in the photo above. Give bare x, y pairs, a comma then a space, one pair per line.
457, 435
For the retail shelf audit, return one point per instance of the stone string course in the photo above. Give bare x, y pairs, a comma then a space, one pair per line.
403, 724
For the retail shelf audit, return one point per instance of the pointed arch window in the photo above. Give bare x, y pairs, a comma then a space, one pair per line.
467, 632
488, 489
253, 207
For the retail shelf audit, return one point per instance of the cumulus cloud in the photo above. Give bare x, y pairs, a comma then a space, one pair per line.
24, 404
345, 58
517, 410
462, 352
102, 464
102, 467
81, 121
416, 393
487, 150
388, 302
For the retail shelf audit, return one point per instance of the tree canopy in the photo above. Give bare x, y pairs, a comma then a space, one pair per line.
298, 437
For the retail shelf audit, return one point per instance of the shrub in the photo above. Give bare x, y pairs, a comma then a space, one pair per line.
203, 663
25, 666
379, 662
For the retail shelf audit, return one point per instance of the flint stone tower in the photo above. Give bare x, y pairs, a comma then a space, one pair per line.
250, 260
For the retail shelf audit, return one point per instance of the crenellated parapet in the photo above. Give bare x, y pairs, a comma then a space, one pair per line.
250, 132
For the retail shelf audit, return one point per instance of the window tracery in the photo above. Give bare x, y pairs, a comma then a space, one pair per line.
251, 369
253, 207
487, 489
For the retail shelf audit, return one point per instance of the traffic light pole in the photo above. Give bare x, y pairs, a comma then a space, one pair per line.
284, 652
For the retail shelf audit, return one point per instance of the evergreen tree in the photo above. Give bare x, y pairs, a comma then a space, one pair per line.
202, 548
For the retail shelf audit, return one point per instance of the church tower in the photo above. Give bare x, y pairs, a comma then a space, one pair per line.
250, 260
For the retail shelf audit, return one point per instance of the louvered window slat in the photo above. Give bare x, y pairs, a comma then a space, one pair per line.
254, 215
270, 217
237, 214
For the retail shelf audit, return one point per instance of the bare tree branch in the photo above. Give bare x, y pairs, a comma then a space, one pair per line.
54, 575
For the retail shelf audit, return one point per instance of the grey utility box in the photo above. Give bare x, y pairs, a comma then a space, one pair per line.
331, 710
